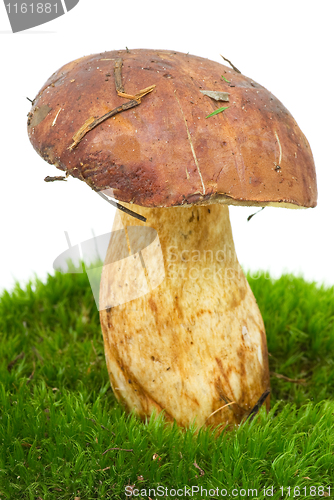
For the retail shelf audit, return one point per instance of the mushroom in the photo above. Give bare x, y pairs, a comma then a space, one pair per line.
182, 330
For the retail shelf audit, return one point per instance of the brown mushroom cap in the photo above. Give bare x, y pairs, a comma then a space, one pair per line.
165, 152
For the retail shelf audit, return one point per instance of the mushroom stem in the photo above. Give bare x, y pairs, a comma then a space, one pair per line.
182, 329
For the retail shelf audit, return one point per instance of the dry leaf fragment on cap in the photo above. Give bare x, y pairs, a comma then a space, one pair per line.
118, 75
82, 131
217, 96
91, 122
119, 85
138, 95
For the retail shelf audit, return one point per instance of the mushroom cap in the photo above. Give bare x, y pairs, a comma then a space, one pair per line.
167, 151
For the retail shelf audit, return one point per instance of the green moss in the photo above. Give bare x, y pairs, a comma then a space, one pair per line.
58, 414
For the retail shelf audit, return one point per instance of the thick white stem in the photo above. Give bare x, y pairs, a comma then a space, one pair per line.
192, 338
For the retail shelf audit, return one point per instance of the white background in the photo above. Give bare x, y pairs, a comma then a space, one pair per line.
287, 46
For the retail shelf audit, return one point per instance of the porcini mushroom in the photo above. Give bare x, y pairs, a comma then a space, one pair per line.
204, 136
